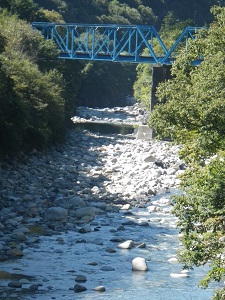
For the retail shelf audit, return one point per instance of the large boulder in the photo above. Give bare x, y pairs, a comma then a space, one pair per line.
56, 214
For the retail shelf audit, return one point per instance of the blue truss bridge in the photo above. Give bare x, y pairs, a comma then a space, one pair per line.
111, 42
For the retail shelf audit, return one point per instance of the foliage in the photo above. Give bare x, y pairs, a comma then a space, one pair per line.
169, 32
52, 16
24, 9
59, 6
193, 116
32, 106
171, 28
143, 84
71, 72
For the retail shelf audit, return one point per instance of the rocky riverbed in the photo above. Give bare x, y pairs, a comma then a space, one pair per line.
73, 218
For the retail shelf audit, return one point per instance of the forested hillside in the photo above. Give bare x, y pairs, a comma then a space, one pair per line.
39, 93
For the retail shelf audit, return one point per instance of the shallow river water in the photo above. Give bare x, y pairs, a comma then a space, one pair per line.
57, 260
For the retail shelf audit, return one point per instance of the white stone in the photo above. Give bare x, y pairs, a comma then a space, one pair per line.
152, 208
139, 264
173, 260
126, 245
100, 288
125, 207
179, 275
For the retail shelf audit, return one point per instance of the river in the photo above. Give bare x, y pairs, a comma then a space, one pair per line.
54, 255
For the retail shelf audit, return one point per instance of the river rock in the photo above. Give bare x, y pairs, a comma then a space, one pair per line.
173, 260
179, 275
100, 288
110, 250
139, 264
149, 158
15, 284
78, 288
22, 229
20, 236
125, 206
141, 245
80, 278
126, 245
84, 229
152, 208
15, 252
76, 201
84, 211
107, 268
56, 214
33, 287
2, 226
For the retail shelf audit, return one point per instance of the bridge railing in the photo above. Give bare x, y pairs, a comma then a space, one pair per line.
112, 42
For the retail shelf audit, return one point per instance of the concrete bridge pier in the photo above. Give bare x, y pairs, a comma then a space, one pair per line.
159, 74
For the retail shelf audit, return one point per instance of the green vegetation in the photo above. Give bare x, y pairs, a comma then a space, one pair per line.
193, 117
32, 106
143, 84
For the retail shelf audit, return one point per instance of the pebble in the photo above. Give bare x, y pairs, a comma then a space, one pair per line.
99, 289
173, 260
78, 288
110, 250
15, 284
179, 275
141, 245
33, 287
107, 268
80, 278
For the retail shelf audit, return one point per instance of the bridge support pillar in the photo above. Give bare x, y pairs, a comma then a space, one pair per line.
159, 74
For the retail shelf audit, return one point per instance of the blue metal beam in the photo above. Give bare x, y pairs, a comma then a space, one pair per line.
110, 42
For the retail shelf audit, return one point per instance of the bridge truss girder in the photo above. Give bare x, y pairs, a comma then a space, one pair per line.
117, 43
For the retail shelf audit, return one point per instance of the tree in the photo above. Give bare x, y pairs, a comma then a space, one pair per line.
32, 108
24, 9
143, 84
193, 116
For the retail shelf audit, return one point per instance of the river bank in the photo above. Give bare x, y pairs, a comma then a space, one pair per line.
66, 212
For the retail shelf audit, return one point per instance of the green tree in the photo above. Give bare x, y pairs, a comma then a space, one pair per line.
143, 84
24, 9
193, 116
32, 106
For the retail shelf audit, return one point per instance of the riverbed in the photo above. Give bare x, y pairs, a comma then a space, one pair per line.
108, 189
